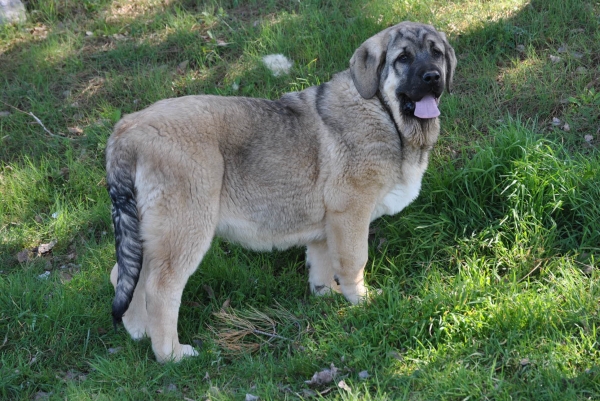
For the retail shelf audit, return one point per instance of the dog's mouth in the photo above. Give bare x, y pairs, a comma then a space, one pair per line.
426, 107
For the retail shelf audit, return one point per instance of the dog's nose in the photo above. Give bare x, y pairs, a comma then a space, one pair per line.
431, 77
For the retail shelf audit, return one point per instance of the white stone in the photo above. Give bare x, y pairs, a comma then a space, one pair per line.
12, 11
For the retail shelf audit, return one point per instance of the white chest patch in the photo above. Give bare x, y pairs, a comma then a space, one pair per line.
402, 194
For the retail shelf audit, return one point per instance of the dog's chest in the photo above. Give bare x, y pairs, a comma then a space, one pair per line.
402, 194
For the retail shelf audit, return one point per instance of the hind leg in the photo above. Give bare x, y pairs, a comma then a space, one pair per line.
321, 276
164, 287
177, 231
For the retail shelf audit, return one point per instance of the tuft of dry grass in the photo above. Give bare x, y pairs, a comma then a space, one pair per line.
239, 331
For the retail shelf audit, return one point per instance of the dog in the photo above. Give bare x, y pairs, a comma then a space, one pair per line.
313, 168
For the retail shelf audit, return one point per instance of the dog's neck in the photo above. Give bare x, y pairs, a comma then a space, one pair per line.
414, 132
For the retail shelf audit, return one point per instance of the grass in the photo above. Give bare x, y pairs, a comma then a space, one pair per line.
489, 281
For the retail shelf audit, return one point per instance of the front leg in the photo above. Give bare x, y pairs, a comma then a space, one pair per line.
347, 240
321, 276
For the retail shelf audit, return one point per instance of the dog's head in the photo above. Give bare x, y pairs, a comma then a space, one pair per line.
410, 64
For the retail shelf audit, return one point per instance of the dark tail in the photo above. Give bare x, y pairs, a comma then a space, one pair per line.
120, 168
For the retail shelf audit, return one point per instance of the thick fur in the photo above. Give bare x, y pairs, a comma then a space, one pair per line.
313, 168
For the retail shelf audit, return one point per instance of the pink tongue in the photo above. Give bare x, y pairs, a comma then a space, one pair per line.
427, 108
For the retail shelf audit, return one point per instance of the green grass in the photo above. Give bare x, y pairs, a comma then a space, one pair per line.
487, 286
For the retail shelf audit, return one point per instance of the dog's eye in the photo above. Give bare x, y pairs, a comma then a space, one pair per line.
436, 53
403, 58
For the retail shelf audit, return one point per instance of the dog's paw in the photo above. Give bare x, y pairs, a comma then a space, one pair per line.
355, 294
324, 289
187, 350
136, 327
177, 354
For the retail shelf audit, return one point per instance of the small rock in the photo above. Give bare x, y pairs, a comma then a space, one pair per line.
562, 49
364, 375
12, 11
250, 397
566, 127
89, 33
576, 55
524, 362
521, 48
588, 138
581, 70
555, 59
555, 121
4, 113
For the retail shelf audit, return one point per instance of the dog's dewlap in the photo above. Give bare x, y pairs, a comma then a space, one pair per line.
427, 107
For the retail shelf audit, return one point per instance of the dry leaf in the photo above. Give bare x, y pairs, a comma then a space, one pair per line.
588, 138
342, 384
46, 248
555, 121
566, 127
323, 377
226, 303
65, 277
524, 362
209, 291
182, 67
75, 130
23, 256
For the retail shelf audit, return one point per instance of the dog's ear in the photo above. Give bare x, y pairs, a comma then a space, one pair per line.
450, 63
365, 64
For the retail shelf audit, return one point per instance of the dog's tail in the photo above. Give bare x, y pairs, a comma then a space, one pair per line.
120, 177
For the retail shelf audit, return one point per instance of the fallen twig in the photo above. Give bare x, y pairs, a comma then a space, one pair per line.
536, 268
37, 120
